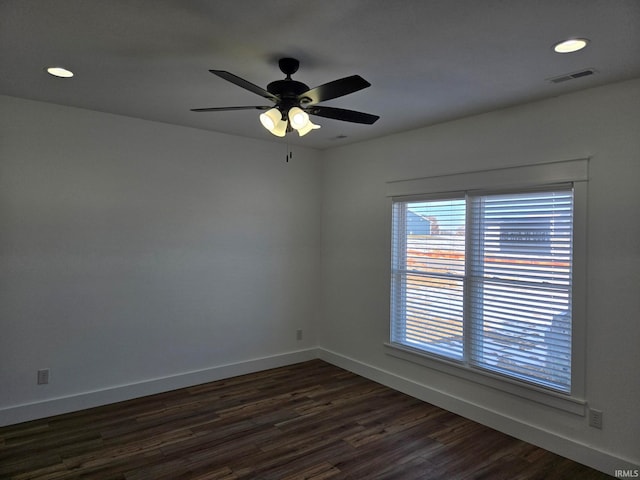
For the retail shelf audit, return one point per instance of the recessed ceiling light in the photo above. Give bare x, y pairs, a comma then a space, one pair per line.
571, 45
60, 72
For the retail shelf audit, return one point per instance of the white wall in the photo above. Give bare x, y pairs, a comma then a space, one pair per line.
132, 251
603, 124
137, 257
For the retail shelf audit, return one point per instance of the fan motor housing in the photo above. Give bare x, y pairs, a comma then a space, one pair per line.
287, 88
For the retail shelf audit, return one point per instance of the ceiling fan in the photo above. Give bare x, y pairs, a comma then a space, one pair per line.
294, 101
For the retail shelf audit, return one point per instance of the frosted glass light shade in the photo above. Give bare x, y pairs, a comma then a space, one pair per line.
280, 129
306, 129
272, 121
270, 118
298, 118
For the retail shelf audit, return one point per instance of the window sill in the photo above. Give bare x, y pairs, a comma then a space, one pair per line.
549, 398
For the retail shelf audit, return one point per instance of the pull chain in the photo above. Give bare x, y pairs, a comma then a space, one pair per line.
289, 155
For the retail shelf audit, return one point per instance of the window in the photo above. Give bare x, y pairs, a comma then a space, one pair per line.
484, 279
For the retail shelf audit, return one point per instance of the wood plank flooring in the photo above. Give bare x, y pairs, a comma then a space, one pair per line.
306, 421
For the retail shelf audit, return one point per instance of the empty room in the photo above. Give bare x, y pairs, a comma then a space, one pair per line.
273, 239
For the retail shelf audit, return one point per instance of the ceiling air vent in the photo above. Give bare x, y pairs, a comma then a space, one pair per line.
572, 76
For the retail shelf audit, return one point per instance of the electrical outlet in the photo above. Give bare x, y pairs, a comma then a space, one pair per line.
299, 335
595, 418
43, 376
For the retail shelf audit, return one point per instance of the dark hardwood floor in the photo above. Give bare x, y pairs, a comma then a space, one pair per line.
306, 421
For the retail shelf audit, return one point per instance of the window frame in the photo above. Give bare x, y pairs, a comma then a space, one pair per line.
513, 179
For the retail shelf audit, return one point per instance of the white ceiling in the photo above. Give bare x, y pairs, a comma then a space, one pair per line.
428, 60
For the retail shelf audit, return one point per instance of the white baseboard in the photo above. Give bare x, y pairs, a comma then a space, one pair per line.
566, 447
56, 406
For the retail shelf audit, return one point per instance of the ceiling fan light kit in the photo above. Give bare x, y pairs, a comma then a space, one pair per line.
294, 101
276, 122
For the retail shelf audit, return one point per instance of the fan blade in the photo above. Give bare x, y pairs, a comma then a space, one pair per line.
335, 89
228, 109
342, 114
241, 82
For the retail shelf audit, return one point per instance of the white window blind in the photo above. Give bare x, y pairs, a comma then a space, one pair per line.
485, 280
429, 270
520, 285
